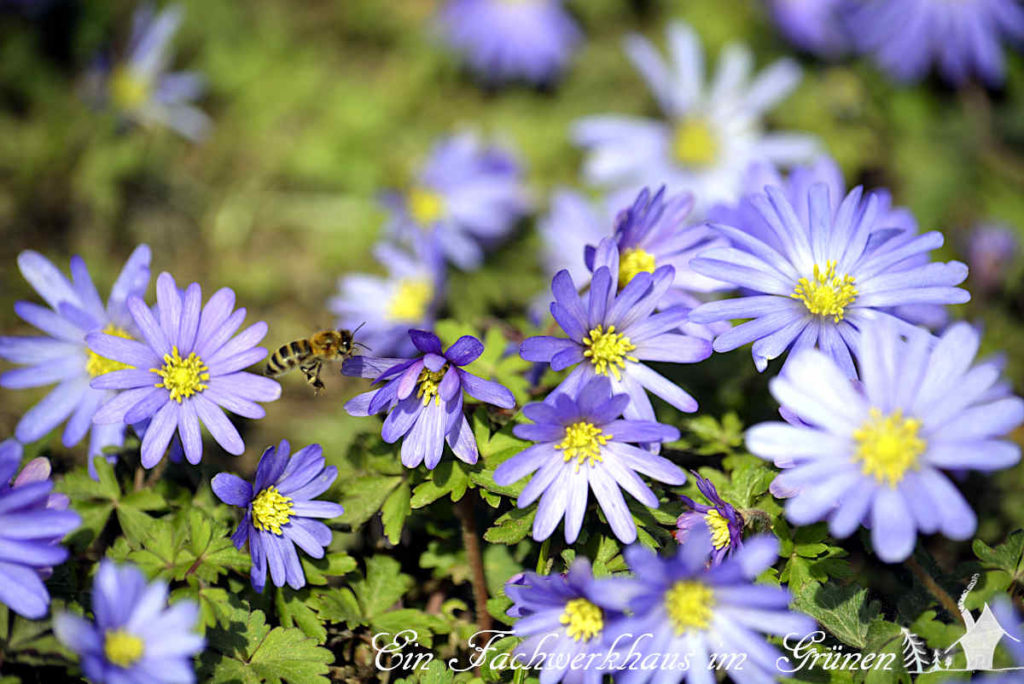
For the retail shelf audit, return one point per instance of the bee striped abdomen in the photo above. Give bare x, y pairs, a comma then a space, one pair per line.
287, 357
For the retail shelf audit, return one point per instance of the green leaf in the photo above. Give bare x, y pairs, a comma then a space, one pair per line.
424, 625
1006, 556
250, 652
512, 527
394, 512
363, 497
340, 605
844, 611
383, 587
334, 564
293, 610
448, 478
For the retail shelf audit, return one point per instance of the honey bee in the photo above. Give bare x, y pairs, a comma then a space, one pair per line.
310, 354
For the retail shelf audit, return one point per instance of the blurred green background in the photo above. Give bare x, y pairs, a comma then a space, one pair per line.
320, 105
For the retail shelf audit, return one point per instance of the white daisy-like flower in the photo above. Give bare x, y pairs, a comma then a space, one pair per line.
711, 131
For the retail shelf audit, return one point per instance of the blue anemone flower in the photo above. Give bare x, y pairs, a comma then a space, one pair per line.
822, 279
962, 38
561, 628
722, 520
529, 40
33, 521
874, 454
75, 309
134, 638
585, 445
818, 26
467, 198
140, 86
186, 372
711, 131
680, 608
655, 231
423, 397
384, 308
611, 332
898, 221
280, 512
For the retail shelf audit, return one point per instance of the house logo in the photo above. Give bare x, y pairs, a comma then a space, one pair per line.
978, 643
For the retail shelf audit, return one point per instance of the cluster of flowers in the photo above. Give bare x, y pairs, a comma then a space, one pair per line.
532, 40
164, 370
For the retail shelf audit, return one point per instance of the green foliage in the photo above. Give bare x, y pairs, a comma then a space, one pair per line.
250, 651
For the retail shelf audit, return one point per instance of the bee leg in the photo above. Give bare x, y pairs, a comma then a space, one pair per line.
312, 373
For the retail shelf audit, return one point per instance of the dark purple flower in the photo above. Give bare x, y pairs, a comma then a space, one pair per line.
721, 519
186, 373
584, 445
423, 397
280, 512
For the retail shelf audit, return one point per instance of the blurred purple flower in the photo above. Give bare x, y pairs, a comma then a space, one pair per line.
140, 86
387, 307
817, 26
680, 606
135, 637
423, 397
33, 521
991, 249
280, 512
584, 445
558, 622
62, 355
466, 198
503, 40
711, 131
187, 371
961, 38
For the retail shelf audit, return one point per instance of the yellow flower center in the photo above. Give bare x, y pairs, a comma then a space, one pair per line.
410, 301
888, 446
827, 294
121, 648
182, 377
694, 143
270, 510
425, 206
128, 91
98, 365
719, 526
689, 605
633, 261
608, 350
429, 382
583, 441
583, 619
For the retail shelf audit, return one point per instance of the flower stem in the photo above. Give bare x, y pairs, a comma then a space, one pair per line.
933, 588
464, 509
542, 557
